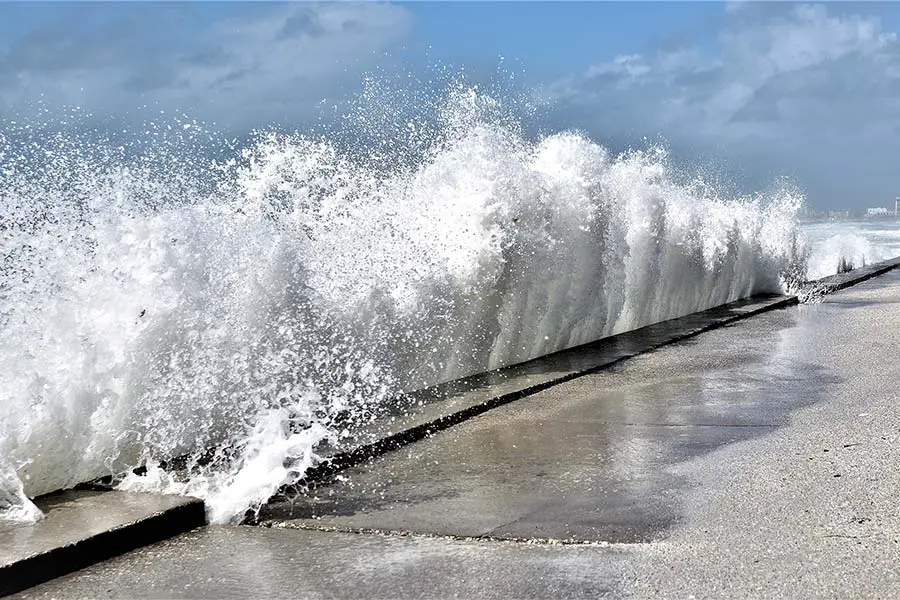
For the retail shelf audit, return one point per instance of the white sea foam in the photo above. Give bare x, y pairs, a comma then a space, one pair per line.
154, 306
852, 243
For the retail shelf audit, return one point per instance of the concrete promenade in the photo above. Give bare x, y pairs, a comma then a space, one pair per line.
755, 460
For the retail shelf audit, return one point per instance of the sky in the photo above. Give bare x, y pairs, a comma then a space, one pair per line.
761, 89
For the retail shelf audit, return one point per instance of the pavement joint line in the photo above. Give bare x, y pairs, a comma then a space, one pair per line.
445, 536
713, 425
685, 425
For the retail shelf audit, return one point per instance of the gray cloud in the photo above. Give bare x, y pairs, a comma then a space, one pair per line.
795, 83
211, 57
152, 77
275, 64
788, 88
304, 22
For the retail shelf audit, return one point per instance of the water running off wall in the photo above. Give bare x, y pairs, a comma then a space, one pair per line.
155, 305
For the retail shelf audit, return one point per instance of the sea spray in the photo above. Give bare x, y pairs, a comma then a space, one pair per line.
157, 303
840, 247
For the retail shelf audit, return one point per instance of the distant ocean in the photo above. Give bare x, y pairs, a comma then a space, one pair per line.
857, 242
156, 303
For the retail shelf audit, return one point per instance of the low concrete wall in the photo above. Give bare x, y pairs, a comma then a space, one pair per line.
82, 528
98, 525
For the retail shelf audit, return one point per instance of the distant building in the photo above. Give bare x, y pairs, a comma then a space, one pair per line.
897, 206
876, 212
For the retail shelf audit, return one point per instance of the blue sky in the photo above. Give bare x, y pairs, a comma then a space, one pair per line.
551, 38
807, 90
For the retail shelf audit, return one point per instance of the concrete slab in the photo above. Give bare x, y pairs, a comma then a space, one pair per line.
253, 562
451, 404
81, 528
809, 510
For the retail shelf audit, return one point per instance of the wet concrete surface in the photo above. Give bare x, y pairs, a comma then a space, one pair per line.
810, 510
412, 416
80, 528
585, 460
253, 562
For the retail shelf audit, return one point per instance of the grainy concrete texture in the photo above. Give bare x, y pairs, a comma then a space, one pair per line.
256, 562
810, 510
81, 528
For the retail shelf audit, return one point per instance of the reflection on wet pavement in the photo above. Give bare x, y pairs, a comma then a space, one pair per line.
588, 460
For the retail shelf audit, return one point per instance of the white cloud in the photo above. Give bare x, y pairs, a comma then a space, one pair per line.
629, 68
751, 61
808, 37
794, 84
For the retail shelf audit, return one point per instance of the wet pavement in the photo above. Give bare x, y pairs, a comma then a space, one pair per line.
756, 460
585, 460
252, 562
411, 417
80, 528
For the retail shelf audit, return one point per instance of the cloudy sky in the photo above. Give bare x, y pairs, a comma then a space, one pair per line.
811, 91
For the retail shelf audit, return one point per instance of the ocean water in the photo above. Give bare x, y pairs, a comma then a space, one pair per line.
855, 242
154, 304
